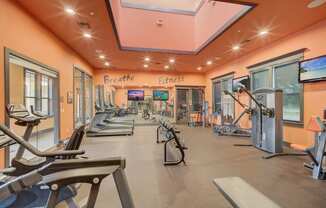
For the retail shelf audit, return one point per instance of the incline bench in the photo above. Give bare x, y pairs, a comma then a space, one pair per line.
240, 194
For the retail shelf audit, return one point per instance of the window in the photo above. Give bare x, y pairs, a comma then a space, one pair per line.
260, 79
227, 100
222, 102
30, 89
283, 74
38, 92
286, 78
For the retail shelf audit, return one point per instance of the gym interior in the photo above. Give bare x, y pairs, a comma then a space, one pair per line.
152, 103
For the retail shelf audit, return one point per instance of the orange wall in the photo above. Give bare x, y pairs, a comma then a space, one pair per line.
150, 79
22, 33
312, 38
147, 81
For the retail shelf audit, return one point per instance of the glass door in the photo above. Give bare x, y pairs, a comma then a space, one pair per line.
78, 98
83, 98
88, 98
31, 84
182, 105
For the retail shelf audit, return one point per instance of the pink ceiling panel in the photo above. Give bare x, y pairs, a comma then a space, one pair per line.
213, 18
138, 28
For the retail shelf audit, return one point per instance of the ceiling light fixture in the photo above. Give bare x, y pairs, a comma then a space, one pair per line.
70, 11
172, 60
101, 56
87, 35
166, 67
236, 47
147, 59
263, 32
199, 68
209, 62
315, 3
107, 64
145, 65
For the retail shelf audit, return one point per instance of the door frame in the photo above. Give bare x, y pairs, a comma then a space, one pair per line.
189, 88
56, 106
83, 78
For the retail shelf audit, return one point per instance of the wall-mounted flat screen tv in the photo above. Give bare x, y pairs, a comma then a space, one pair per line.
313, 70
160, 95
245, 81
135, 95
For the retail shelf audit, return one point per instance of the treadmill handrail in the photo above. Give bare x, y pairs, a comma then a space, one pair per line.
34, 150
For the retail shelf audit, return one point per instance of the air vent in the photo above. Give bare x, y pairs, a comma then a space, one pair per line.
84, 25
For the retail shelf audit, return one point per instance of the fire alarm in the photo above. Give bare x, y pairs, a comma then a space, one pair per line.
159, 22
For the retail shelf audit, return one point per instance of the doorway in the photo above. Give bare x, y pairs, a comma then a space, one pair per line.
189, 101
83, 98
30, 84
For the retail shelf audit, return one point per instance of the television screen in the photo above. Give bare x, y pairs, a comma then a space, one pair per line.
136, 95
313, 69
245, 81
160, 95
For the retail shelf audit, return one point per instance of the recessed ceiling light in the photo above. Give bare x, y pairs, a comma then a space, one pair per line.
263, 32
166, 67
236, 47
172, 60
209, 62
145, 65
87, 35
315, 3
101, 56
70, 11
147, 59
199, 68
107, 64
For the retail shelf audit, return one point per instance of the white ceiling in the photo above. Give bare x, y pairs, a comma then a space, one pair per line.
189, 7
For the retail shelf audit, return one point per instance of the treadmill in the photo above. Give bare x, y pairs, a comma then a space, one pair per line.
111, 116
100, 127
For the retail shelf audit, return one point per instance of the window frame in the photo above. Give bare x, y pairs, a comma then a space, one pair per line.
26, 71
271, 68
38, 97
220, 79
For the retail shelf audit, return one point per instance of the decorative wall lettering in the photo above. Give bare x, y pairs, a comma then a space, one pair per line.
170, 80
118, 80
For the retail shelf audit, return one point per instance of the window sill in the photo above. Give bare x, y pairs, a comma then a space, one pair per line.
298, 124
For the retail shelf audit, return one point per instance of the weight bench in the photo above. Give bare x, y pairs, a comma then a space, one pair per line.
240, 194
